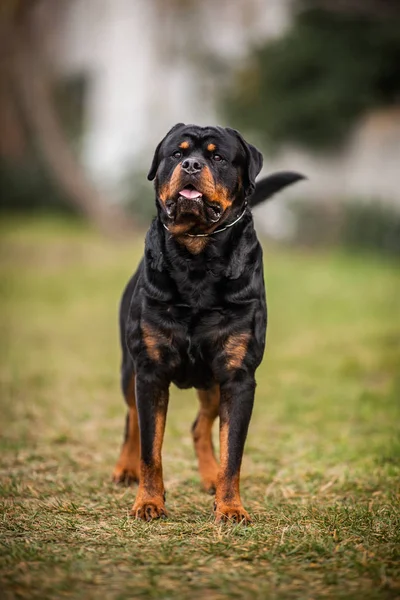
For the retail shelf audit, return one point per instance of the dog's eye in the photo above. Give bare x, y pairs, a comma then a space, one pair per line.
217, 157
177, 154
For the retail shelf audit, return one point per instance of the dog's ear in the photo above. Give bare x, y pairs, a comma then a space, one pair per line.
156, 157
254, 162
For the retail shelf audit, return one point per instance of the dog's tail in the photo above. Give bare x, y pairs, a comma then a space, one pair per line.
268, 186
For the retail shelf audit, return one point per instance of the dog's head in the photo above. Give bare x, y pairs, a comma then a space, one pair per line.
202, 175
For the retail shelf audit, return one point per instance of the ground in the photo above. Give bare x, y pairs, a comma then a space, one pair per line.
322, 460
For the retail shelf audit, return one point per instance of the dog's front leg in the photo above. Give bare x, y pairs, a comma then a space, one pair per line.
236, 404
152, 404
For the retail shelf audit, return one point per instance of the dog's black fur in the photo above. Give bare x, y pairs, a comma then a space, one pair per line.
194, 313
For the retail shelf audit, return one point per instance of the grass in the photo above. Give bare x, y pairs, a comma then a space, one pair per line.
322, 461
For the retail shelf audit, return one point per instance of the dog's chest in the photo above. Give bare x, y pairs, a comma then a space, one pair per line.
192, 350
194, 346
183, 342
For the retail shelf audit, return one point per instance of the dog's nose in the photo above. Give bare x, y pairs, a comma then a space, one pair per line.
191, 165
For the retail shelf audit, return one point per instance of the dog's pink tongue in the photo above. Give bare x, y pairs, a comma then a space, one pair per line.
190, 194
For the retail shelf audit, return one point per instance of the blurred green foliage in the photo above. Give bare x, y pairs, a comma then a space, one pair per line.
354, 224
69, 94
28, 186
139, 197
309, 86
372, 226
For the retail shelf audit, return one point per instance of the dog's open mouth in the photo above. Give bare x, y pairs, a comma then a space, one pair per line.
191, 204
213, 209
190, 193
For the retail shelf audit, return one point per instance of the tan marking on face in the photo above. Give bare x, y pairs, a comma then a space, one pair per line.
215, 193
171, 187
222, 197
211, 147
202, 436
175, 182
178, 229
184, 145
206, 182
235, 349
163, 193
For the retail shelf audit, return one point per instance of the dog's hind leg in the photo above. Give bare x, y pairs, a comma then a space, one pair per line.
202, 437
127, 468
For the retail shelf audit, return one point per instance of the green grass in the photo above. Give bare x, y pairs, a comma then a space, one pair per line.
322, 461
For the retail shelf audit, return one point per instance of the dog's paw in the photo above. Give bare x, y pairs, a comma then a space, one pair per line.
209, 484
149, 510
225, 513
125, 476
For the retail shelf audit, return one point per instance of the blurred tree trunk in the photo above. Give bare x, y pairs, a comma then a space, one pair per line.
32, 89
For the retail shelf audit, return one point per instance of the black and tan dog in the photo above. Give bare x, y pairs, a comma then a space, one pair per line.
194, 313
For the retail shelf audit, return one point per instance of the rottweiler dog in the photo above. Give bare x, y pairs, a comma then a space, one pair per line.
195, 313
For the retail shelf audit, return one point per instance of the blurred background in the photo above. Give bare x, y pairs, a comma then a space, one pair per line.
88, 88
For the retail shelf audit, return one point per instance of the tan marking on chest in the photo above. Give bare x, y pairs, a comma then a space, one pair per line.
151, 342
235, 349
155, 340
195, 245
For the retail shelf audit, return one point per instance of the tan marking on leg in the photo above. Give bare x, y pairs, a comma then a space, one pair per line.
158, 439
202, 437
235, 349
223, 447
228, 505
227, 490
149, 503
127, 468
